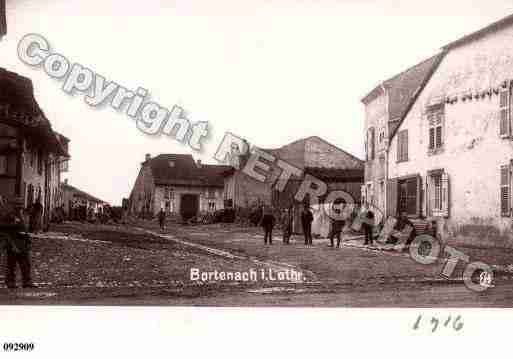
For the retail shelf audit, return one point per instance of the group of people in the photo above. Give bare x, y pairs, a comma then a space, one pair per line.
338, 223
268, 222
15, 241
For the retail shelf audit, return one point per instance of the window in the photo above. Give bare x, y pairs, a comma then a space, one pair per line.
504, 113
402, 146
211, 206
409, 196
437, 193
3, 165
168, 192
435, 116
171, 163
505, 195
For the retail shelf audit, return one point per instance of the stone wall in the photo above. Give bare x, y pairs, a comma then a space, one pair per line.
473, 150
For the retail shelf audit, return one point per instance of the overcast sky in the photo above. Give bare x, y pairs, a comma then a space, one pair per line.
270, 71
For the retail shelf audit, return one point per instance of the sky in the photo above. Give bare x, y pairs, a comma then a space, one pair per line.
269, 71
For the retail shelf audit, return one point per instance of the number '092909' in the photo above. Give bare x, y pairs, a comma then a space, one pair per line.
18, 347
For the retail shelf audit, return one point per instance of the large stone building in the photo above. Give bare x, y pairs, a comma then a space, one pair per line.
31, 153
451, 154
312, 156
179, 185
385, 105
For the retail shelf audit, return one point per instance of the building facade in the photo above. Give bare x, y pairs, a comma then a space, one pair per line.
78, 204
458, 140
385, 106
31, 153
176, 183
312, 156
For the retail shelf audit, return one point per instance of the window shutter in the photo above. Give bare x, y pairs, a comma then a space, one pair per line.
399, 147
431, 138
505, 191
418, 209
425, 198
445, 194
392, 197
372, 144
504, 113
405, 145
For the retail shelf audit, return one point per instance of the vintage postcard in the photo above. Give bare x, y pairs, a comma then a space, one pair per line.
256, 154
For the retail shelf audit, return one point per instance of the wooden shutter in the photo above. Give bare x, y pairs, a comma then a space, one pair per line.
405, 145
431, 137
425, 197
372, 143
392, 197
445, 194
505, 191
504, 113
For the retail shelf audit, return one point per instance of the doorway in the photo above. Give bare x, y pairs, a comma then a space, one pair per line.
189, 205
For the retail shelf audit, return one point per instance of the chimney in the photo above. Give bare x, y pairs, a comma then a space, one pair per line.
148, 157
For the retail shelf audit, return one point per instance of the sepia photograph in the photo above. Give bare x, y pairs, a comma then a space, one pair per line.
269, 156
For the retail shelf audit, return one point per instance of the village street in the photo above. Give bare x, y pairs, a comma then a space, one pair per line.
85, 264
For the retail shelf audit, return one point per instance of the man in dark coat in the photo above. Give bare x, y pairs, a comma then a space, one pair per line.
162, 218
368, 227
268, 221
337, 224
306, 222
17, 244
36, 213
286, 222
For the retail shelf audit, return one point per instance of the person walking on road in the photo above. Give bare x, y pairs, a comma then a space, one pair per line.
268, 222
162, 219
306, 222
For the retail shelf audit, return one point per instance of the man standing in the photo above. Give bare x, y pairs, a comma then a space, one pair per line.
337, 223
306, 222
162, 218
268, 222
286, 222
17, 245
368, 227
36, 214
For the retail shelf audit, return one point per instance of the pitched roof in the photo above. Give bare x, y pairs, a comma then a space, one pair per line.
403, 87
181, 169
79, 193
405, 96
508, 20
18, 107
